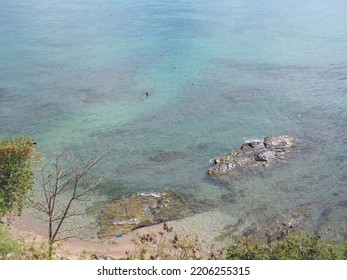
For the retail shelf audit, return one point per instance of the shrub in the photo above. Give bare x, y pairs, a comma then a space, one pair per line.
19, 249
16, 178
294, 246
8, 246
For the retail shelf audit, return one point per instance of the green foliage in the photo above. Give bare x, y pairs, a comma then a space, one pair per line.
8, 246
19, 249
294, 246
16, 178
291, 246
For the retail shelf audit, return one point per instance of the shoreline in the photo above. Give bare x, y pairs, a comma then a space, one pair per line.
111, 248
191, 230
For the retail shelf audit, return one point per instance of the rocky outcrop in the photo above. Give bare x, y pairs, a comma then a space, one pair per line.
145, 209
254, 153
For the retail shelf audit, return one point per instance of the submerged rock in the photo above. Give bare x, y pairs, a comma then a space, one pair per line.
254, 153
167, 156
145, 209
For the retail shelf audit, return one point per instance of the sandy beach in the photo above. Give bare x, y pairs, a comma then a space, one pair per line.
112, 248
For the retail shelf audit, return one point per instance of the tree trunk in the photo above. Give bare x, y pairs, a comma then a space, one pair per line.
50, 249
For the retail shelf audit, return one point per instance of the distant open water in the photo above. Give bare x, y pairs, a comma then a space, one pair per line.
74, 74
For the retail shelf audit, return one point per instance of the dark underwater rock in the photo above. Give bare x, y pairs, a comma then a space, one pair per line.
167, 156
255, 153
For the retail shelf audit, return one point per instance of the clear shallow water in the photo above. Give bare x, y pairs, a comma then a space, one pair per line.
74, 73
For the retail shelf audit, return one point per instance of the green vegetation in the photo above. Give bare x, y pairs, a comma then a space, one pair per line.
16, 178
294, 246
8, 246
19, 249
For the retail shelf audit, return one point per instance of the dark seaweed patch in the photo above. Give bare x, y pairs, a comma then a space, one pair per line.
342, 204
3, 95
229, 198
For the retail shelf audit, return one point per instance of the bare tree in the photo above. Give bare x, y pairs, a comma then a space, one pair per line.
63, 193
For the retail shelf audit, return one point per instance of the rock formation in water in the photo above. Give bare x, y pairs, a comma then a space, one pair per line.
254, 153
145, 209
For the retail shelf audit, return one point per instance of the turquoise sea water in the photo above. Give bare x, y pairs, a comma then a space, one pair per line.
73, 74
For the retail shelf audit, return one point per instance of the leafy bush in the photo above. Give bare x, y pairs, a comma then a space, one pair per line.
8, 246
19, 249
289, 246
16, 178
294, 246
